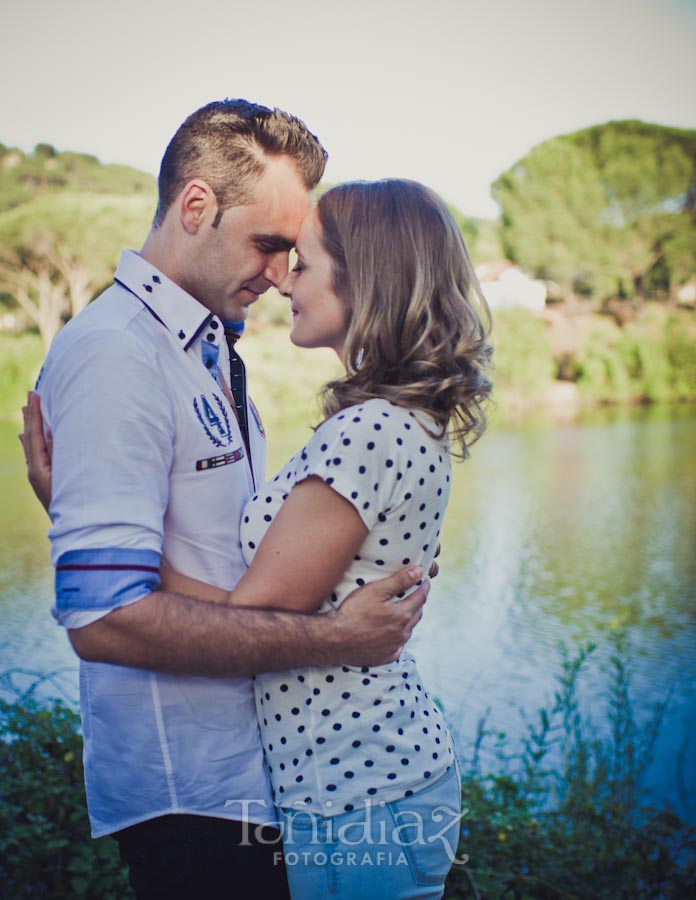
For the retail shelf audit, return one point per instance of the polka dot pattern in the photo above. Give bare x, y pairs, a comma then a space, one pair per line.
334, 737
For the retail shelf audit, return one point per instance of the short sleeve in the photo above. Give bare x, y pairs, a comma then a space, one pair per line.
355, 453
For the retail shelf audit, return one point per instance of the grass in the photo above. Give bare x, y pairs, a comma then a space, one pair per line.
21, 356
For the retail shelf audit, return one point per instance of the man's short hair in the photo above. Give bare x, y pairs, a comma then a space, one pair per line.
226, 143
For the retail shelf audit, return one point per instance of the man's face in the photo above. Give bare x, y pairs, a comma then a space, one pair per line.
236, 262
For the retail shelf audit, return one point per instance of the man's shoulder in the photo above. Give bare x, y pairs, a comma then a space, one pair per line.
115, 318
112, 331
114, 309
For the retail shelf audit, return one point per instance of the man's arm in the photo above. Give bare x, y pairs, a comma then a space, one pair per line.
171, 633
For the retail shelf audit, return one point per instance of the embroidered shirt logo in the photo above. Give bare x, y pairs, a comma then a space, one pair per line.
214, 420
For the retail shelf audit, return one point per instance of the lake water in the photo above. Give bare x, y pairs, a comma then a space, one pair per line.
555, 533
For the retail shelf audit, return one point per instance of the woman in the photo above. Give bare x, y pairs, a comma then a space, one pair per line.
362, 765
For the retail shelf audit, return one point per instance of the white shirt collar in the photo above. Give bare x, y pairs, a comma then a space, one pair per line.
183, 315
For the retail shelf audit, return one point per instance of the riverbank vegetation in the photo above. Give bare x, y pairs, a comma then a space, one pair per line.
566, 817
542, 361
605, 217
562, 818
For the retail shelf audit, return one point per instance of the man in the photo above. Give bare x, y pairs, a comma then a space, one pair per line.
155, 452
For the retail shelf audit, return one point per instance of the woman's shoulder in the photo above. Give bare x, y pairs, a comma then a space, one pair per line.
376, 409
381, 420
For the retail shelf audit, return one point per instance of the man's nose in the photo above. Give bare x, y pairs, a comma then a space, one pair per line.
277, 268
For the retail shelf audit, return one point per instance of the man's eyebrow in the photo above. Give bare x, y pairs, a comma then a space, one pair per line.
273, 242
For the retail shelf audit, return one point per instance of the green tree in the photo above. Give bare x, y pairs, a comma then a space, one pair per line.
59, 250
26, 176
598, 210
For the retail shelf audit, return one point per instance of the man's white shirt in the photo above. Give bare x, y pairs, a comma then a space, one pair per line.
148, 460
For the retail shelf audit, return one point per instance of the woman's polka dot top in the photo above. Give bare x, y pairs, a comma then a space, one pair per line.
337, 737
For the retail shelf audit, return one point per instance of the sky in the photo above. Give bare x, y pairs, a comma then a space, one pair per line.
448, 92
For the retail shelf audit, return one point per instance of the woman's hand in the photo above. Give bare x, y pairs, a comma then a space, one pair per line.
434, 567
38, 450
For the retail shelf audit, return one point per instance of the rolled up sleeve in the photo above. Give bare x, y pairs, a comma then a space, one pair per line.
113, 436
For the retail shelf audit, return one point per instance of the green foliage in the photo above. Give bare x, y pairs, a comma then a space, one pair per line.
64, 219
20, 360
523, 359
561, 818
487, 246
601, 371
603, 207
45, 847
534, 831
26, 176
93, 228
680, 348
652, 358
551, 204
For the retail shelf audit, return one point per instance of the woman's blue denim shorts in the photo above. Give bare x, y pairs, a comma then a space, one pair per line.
401, 850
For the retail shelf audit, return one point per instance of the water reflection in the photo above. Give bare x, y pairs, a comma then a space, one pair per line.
554, 533
563, 534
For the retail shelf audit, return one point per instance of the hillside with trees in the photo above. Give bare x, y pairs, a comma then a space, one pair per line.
64, 219
606, 216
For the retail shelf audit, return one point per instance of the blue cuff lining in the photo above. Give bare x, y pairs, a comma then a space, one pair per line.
105, 579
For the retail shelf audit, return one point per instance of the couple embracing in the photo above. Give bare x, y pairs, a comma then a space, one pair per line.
181, 572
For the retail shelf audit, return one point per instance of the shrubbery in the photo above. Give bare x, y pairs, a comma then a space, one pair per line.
652, 358
523, 359
45, 846
564, 817
540, 827
20, 360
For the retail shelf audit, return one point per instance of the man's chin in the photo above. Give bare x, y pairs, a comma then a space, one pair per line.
237, 312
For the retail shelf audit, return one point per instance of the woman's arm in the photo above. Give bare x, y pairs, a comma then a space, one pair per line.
304, 553
37, 450
306, 550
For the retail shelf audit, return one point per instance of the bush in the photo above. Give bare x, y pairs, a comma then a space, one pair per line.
680, 346
45, 846
579, 829
652, 358
523, 361
20, 360
601, 370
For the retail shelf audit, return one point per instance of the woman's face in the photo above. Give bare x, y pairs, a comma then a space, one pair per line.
319, 317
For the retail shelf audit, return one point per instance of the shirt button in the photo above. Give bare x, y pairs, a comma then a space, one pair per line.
214, 323
182, 335
210, 337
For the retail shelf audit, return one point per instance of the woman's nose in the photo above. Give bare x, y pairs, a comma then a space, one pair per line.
285, 285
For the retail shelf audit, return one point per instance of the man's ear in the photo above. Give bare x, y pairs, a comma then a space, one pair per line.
197, 203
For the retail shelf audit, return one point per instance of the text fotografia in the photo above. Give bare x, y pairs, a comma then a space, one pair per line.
409, 829
338, 858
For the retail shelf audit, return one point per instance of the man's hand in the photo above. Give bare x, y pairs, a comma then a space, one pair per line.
37, 450
371, 626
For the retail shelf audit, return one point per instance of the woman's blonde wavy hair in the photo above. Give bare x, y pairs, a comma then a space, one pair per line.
418, 323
